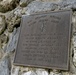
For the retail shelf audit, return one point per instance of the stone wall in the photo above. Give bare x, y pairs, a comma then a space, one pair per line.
10, 17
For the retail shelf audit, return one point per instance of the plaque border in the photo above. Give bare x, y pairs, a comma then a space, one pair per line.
69, 41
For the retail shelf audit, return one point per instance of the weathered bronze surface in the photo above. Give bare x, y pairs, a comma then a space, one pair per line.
44, 40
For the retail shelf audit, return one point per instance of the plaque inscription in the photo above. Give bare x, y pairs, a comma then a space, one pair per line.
44, 40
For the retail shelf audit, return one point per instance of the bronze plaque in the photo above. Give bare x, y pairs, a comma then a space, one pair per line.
44, 40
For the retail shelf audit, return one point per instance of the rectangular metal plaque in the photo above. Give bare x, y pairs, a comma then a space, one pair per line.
44, 40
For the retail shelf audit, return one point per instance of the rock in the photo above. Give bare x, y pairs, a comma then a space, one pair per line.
74, 50
72, 69
29, 73
38, 6
49, 0
47, 5
41, 72
65, 73
13, 18
15, 70
13, 38
74, 22
19, 11
8, 18
74, 57
55, 72
4, 67
24, 3
67, 4
6, 5
73, 46
1, 54
52, 73
14, 21
25, 69
63, 4
2, 24
3, 40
